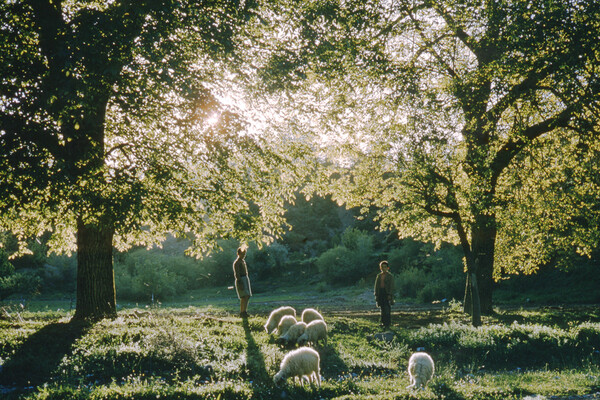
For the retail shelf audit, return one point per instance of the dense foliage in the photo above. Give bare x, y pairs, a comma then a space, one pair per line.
431, 108
463, 122
165, 164
326, 246
114, 132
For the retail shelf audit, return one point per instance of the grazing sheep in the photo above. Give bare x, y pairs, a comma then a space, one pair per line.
315, 331
293, 333
285, 323
420, 369
276, 315
302, 363
310, 314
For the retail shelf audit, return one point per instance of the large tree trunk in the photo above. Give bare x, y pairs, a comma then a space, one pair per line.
96, 298
483, 244
95, 277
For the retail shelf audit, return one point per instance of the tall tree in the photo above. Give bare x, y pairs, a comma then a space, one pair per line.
435, 100
112, 132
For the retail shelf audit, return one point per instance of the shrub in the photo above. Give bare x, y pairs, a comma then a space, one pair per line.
410, 282
218, 266
406, 256
12, 282
60, 274
146, 275
429, 274
450, 288
348, 263
268, 261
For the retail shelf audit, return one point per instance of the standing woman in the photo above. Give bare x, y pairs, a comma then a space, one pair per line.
384, 293
242, 282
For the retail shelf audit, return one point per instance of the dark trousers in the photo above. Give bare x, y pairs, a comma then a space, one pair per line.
386, 308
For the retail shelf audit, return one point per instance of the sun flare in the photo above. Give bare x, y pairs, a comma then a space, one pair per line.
213, 119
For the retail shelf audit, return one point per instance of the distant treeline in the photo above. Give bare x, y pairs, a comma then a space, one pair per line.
327, 247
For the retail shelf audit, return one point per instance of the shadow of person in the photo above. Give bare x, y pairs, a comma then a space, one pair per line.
35, 361
255, 361
332, 365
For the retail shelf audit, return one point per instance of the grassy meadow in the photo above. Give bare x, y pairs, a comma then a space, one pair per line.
205, 351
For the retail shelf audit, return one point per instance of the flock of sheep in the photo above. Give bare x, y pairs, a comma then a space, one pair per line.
303, 363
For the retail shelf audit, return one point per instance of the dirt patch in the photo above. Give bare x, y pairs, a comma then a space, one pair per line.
414, 316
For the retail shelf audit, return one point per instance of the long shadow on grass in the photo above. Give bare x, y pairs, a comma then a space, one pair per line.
332, 365
254, 358
37, 358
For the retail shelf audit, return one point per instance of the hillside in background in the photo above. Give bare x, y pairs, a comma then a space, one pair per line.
326, 248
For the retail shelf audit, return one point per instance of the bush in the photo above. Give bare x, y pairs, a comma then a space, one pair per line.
336, 264
429, 274
347, 263
217, 266
410, 282
452, 288
7, 271
160, 274
151, 275
268, 261
60, 274
408, 255
12, 282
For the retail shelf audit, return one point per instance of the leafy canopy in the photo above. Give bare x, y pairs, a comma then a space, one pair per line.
428, 110
116, 113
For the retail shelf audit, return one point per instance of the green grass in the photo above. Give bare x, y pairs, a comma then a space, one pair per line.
209, 353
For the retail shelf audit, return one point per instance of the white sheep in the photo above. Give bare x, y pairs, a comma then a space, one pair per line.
310, 314
302, 363
276, 315
293, 333
286, 322
420, 369
315, 331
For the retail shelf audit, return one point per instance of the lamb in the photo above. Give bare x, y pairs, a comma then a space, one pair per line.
315, 331
420, 369
286, 322
310, 314
293, 333
302, 363
276, 315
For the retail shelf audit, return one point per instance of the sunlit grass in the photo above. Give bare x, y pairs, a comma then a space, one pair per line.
209, 352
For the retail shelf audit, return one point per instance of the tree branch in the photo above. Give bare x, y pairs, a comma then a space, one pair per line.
458, 30
429, 45
405, 12
122, 147
26, 130
48, 18
530, 81
510, 149
439, 213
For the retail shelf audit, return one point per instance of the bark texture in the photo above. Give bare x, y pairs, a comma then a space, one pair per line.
96, 298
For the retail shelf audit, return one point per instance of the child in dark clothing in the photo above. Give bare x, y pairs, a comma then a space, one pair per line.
384, 293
